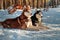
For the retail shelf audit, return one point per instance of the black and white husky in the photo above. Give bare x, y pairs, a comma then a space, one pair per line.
35, 21
36, 18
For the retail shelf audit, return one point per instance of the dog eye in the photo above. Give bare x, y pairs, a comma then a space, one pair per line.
39, 14
28, 11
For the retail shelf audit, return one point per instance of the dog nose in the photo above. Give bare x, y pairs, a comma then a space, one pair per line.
31, 13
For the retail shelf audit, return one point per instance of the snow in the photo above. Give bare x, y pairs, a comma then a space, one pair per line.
4, 15
15, 34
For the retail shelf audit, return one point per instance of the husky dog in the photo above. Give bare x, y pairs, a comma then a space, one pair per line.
36, 18
18, 22
35, 22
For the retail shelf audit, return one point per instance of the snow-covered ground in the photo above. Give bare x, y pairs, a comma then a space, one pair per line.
51, 19
14, 34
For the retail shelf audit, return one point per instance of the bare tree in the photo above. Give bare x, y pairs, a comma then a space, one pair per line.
38, 3
1, 4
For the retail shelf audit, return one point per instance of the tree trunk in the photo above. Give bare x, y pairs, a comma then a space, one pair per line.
24, 2
20, 2
41, 3
27, 2
1, 4
44, 3
38, 3
35, 3
13, 1
30, 3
